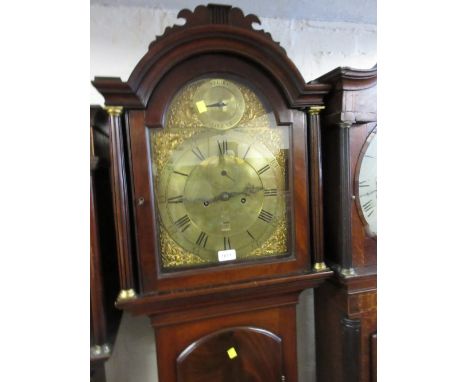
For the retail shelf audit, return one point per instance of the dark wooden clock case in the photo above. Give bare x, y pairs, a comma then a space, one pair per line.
346, 305
198, 314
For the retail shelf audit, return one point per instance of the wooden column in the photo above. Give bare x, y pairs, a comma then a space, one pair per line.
351, 333
316, 201
120, 203
344, 225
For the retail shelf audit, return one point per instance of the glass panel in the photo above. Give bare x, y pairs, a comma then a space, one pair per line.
220, 171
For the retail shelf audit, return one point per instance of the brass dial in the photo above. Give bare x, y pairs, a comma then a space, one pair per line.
219, 104
221, 191
220, 176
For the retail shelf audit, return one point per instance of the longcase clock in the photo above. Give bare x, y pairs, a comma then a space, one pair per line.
346, 305
215, 154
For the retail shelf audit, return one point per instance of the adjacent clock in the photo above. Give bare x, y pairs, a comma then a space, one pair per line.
366, 180
346, 337
220, 176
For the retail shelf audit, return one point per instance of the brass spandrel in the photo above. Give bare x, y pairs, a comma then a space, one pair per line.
174, 256
277, 244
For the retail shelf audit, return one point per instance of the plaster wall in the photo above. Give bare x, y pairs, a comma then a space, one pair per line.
120, 36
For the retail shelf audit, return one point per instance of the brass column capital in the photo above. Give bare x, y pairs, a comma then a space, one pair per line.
315, 110
114, 110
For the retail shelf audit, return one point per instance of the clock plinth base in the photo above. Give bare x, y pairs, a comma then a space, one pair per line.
346, 327
173, 339
182, 318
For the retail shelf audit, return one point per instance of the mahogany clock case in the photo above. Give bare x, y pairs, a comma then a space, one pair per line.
227, 67
223, 44
249, 304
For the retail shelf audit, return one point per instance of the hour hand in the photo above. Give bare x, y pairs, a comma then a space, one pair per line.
217, 104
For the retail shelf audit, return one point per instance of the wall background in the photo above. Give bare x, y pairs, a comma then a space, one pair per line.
318, 36
120, 36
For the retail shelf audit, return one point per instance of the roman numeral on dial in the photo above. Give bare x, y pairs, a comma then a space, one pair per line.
263, 169
251, 236
227, 243
197, 152
265, 216
223, 147
367, 206
270, 192
176, 199
202, 239
183, 223
363, 183
248, 148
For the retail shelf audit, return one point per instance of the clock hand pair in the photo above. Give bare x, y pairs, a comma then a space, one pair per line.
225, 196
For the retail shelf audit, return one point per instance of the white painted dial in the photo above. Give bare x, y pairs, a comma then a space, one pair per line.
367, 185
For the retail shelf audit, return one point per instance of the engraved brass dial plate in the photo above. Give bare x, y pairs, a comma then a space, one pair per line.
220, 180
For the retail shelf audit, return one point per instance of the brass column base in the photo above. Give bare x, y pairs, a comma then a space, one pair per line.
126, 294
320, 267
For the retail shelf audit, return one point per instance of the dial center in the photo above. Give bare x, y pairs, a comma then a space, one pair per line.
216, 195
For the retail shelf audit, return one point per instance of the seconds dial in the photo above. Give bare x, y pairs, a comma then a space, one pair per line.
219, 104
